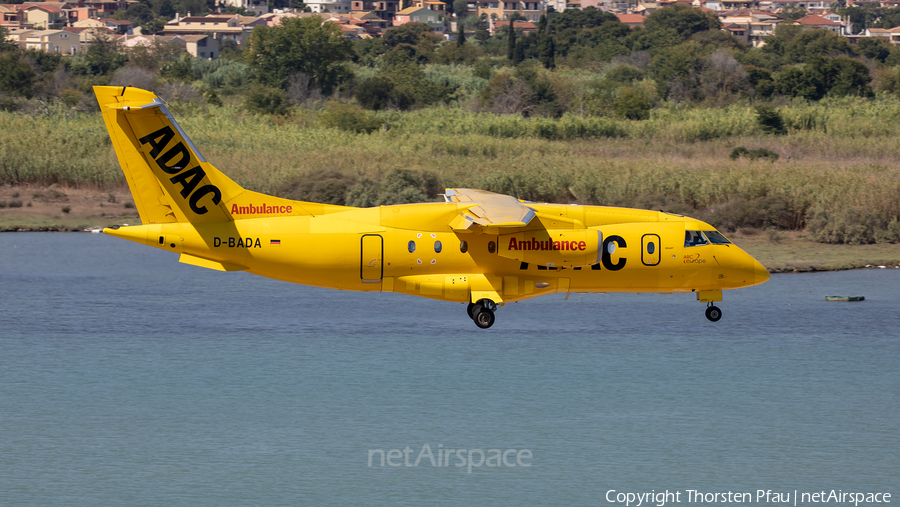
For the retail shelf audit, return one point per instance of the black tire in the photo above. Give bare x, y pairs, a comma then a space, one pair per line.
484, 318
471, 310
713, 313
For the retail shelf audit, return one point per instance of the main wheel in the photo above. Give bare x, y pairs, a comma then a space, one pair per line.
713, 313
471, 310
484, 318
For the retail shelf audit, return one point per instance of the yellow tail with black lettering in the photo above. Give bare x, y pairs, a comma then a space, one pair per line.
168, 177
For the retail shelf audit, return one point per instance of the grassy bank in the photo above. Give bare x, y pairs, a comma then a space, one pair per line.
793, 253
835, 177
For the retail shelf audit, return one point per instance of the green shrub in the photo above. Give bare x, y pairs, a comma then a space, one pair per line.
851, 225
213, 99
754, 154
348, 117
15, 203
482, 69
770, 121
631, 104
374, 93
266, 100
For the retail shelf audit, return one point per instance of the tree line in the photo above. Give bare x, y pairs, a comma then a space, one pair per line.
581, 61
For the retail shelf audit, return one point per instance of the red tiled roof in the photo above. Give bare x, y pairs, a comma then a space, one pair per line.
45, 8
528, 25
815, 20
630, 18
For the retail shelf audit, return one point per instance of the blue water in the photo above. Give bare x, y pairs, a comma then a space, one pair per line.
127, 378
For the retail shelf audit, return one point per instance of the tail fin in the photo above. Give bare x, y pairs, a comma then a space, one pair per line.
168, 177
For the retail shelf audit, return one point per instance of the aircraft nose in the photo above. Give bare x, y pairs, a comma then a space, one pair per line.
760, 273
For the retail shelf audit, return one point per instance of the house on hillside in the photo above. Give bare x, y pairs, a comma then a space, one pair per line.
751, 26
135, 41
256, 7
524, 26
891, 34
632, 20
120, 26
12, 17
431, 5
201, 46
221, 27
809, 5
335, 6
88, 34
18, 36
503, 10
384, 9
60, 42
105, 8
45, 16
420, 15
816, 21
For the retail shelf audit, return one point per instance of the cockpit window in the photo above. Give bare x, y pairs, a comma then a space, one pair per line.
716, 238
694, 238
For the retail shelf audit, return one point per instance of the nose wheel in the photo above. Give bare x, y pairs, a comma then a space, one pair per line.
482, 313
713, 313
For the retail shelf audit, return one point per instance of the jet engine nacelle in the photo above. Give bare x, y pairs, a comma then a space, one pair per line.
553, 247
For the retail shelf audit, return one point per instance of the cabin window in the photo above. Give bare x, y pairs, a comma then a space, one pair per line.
651, 248
411, 247
492, 247
716, 238
694, 238
463, 247
437, 247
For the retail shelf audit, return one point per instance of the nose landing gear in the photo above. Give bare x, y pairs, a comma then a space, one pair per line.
482, 312
713, 313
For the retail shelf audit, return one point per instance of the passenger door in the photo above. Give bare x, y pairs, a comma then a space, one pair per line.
371, 261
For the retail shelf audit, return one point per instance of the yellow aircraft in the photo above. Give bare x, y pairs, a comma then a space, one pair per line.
476, 247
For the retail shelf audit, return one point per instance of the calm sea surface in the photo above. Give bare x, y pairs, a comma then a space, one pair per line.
127, 378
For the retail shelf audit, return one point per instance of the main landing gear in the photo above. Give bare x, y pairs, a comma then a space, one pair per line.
482, 312
713, 313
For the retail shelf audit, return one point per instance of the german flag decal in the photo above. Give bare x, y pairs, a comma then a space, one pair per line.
274, 242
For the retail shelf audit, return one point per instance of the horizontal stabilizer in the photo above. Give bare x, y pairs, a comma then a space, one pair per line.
208, 264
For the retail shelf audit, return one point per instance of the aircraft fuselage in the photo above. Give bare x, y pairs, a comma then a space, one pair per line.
408, 249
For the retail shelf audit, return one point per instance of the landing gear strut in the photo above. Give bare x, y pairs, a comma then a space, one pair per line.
482, 312
713, 313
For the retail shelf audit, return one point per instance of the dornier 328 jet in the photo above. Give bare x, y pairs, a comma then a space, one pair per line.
476, 247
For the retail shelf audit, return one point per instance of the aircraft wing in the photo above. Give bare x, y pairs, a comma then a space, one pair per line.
487, 209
